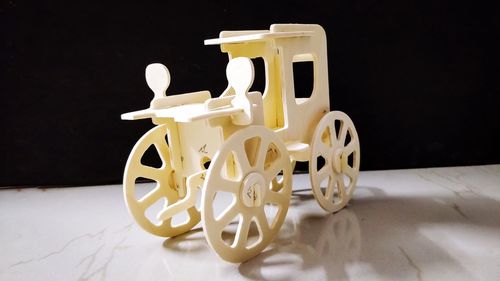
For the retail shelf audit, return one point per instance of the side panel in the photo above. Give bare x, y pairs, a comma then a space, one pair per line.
302, 117
198, 143
191, 145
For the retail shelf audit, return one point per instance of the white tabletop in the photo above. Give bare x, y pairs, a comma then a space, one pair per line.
418, 224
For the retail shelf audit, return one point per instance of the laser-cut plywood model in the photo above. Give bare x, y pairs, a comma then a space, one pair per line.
243, 145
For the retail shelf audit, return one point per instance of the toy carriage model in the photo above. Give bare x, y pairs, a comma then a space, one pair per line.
243, 145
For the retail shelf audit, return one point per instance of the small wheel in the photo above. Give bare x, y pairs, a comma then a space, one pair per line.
253, 172
334, 163
164, 192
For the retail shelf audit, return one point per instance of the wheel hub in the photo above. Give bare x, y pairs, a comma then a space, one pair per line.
336, 160
252, 190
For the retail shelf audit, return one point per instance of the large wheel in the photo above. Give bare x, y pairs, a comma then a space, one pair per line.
334, 163
246, 194
163, 194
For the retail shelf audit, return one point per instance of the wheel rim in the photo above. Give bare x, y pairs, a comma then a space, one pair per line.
255, 185
162, 195
334, 163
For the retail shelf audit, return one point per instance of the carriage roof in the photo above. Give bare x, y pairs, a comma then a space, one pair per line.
259, 36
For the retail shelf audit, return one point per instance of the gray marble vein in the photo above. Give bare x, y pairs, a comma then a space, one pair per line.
416, 224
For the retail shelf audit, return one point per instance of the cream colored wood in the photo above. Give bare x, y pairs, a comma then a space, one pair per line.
198, 105
176, 100
256, 37
158, 79
194, 151
299, 151
165, 186
240, 75
223, 143
251, 187
282, 46
158, 106
194, 184
182, 113
272, 96
193, 112
330, 144
216, 103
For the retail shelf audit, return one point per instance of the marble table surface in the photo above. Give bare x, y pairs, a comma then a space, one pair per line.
416, 224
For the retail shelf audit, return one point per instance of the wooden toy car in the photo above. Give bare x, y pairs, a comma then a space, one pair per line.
243, 145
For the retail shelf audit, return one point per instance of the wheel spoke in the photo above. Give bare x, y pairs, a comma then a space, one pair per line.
242, 231
343, 132
333, 135
163, 151
262, 153
324, 150
261, 219
350, 147
242, 158
150, 172
226, 185
150, 198
275, 197
350, 172
273, 170
325, 171
341, 187
330, 189
226, 217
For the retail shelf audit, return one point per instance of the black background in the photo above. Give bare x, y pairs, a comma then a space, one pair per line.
420, 79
